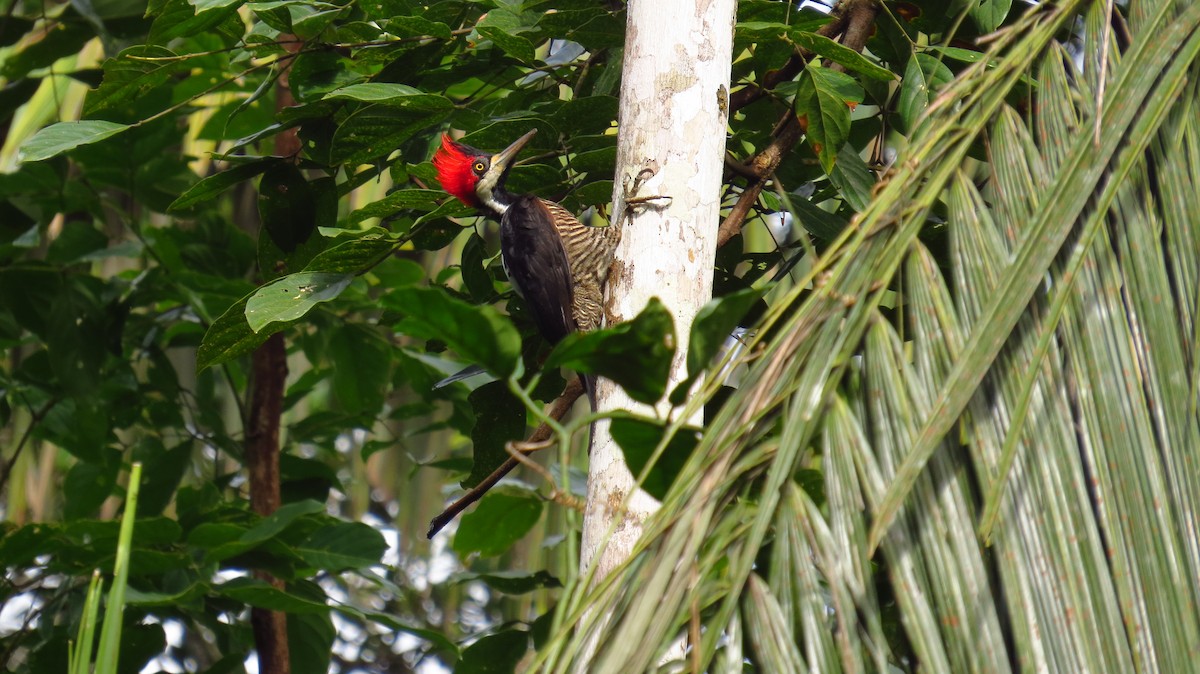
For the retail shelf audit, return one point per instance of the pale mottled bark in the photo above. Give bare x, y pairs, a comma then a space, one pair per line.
674, 102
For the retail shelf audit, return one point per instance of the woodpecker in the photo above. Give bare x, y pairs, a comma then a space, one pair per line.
555, 262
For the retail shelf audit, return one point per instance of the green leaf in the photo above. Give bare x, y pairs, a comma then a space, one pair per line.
712, 326
819, 222
475, 275
206, 190
514, 45
374, 131
346, 545
498, 653
274, 524
514, 582
416, 26
292, 296
395, 95
287, 206
852, 178
363, 373
479, 334
130, 75
187, 595
638, 439
310, 642
262, 594
499, 418
504, 515
635, 354
317, 72
923, 76
989, 14
823, 101
400, 200
823, 46
65, 136
354, 256
230, 336
204, 5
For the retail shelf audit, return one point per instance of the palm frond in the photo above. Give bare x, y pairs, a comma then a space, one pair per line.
1016, 435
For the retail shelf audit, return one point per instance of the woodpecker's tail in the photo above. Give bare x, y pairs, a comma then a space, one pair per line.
589, 387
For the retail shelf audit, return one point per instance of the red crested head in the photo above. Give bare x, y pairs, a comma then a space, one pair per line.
453, 163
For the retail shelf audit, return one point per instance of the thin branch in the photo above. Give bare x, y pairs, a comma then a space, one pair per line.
854, 21
557, 410
773, 78
33, 422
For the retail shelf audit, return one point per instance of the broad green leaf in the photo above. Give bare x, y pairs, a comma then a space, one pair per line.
515, 46
514, 582
923, 77
479, 334
414, 26
66, 136
989, 14
204, 5
287, 205
230, 336
310, 641
262, 594
318, 72
503, 517
132, 73
499, 418
713, 324
498, 653
374, 131
635, 354
276, 522
362, 378
424, 200
395, 95
638, 439
853, 179
354, 256
474, 274
187, 595
823, 46
206, 190
823, 101
346, 545
292, 296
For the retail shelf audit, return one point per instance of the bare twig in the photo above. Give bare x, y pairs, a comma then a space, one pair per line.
853, 20
520, 452
557, 410
34, 420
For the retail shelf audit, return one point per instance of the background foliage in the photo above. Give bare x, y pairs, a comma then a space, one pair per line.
151, 238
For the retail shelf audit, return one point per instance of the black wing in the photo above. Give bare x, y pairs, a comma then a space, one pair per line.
537, 266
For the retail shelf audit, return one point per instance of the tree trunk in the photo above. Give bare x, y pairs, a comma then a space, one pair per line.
673, 114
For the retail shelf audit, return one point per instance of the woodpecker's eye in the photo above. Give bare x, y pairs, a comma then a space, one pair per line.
479, 167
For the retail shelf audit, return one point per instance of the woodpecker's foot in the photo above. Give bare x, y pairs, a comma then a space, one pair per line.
631, 185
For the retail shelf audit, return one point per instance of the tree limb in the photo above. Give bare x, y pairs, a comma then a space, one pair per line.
853, 20
556, 411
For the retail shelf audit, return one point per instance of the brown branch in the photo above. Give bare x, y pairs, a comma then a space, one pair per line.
556, 411
854, 20
268, 371
35, 418
773, 78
